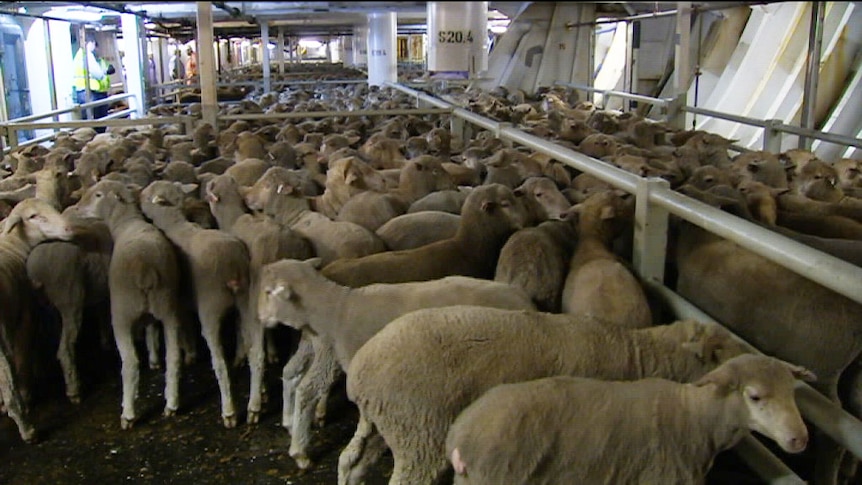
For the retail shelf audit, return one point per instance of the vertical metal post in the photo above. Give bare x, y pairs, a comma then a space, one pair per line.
279, 55
82, 44
772, 136
49, 53
812, 70
650, 232
206, 63
133, 60
264, 47
682, 54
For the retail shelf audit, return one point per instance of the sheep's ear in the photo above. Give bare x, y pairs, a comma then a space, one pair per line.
572, 213
10, 222
724, 377
800, 372
608, 212
188, 188
488, 206
315, 263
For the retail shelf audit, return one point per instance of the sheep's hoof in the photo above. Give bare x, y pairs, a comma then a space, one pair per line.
29, 436
303, 462
168, 412
155, 366
74, 398
127, 423
287, 423
253, 417
229, 421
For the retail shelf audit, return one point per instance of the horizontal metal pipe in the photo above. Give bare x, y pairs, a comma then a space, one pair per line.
825, 269
826, 415
48, 114
724, 116
820, 135
108, 100
765, 464
326, 114
634, 97
103, 122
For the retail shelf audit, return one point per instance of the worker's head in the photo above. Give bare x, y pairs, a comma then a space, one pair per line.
189, 50
91, 42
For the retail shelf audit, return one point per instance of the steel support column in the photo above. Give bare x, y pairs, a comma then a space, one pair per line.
279, 55
812, 71
264, 54
206, 63
133, 60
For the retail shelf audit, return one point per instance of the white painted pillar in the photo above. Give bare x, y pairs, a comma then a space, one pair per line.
279, 55
206, 63
62, 55
458, 37
264, 47
360, 45
682, 64
347, 51
133, 60
382, 55
329, 49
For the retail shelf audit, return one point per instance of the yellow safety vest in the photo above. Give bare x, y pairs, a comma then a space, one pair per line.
80, 78
105, 83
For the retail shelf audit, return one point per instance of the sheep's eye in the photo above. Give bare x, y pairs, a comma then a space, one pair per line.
33, 216
754, 397
97, 195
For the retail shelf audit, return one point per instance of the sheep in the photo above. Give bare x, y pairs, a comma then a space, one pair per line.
267, 241
723, 279
584, 430
144, 279
418, 177
295, 293
598, 282
416, 229
449, 201
462, 351
275, 195
345, 178
491, 214
536, 259
30, 222
218, 264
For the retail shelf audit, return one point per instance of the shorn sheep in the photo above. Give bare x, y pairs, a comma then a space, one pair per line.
218, 264
144, 279
462, 351
567, 429
296, 294
30, 222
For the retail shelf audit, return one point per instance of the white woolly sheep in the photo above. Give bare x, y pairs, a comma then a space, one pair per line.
296, 294
30, 222
583, 430
463, 351
144, 279
218, 264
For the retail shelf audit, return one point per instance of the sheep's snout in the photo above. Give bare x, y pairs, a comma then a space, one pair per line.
796, 444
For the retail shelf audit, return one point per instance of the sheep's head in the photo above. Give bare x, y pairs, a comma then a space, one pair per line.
37, 221
100, 199
765, 387
278, 302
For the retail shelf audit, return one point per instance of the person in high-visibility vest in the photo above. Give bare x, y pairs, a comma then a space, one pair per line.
100, 80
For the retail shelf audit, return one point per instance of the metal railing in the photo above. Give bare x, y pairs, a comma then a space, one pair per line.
9, 129
654, 201
773, 130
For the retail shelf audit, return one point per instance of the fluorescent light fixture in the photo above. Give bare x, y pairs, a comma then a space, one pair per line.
498, 26
76, 13
310, 43
498, 29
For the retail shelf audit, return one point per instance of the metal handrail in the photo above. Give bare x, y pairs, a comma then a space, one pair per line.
774, 125
327, 114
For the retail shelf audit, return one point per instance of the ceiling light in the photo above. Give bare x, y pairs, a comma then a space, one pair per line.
76, 13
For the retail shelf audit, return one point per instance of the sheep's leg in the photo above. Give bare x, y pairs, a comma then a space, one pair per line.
291, 375
363, 451
271, 348
254, 336
851, 396
417, 466
154, 345
313, 388
11, 399
66, 352
173, 361
210, 328
129, 369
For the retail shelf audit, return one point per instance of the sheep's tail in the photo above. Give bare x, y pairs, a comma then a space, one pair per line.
457, 463
235, 285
